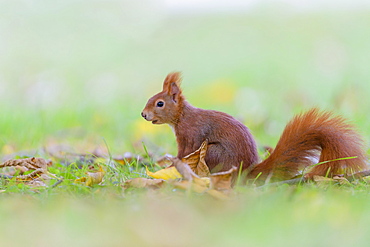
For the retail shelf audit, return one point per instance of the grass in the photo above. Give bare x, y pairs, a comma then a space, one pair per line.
77, 75
73, 214
283, 216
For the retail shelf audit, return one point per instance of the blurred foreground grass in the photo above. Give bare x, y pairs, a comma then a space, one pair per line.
285, 216
79, 74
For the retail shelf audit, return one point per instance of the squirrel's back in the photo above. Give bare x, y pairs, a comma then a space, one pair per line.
230, 142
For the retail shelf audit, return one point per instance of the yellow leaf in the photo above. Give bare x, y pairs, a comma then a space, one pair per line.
167, 173
92, 177
95, 177
81, 180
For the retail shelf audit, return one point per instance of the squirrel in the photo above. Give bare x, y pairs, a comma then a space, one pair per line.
309, 137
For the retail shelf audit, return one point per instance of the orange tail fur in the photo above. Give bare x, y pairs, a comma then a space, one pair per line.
311, 137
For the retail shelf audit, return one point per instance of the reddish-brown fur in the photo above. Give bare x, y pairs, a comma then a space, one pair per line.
230, 142
310, 136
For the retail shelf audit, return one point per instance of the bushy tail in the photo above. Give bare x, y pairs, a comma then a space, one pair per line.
310, 138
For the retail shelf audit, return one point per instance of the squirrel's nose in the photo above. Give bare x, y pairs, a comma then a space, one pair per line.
143, 115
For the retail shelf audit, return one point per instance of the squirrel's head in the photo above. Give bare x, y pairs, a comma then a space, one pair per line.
166, 106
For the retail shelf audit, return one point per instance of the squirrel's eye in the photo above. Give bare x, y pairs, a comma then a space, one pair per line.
160, 103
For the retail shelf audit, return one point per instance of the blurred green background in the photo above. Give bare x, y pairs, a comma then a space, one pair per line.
80, 72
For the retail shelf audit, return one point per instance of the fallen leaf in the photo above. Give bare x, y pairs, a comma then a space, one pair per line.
65, 155
325, 180
81, 180
14, 170
39, 165
184, 169
191, 181
167, 173
95, 177
165, 161
29, 163
36, 183
194, 174
217, 194
222, 181
322, 180
92, 177
195, 164
190, 186
143, 183
31, 176
196, 160
341, 180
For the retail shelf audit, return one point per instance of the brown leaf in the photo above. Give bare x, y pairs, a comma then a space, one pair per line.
217, 194
36, 178
33, 175
143, 183
223, 180
325, 180
196, 160
29, 163
341, 180
184, 169
66, 155
39, 165
36, 183
13, 170
322, 180
164, 161
190, 186
191, 181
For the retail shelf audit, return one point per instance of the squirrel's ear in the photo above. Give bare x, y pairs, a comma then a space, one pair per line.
175, 92
174, 77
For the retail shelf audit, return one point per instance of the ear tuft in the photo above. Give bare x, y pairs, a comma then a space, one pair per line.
174, 77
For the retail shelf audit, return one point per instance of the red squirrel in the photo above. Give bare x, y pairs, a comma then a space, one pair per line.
310, 136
